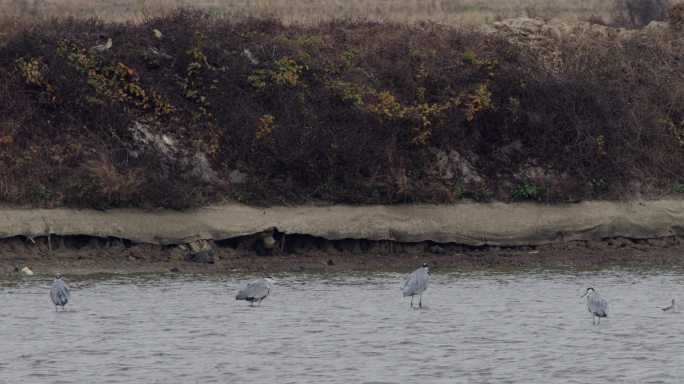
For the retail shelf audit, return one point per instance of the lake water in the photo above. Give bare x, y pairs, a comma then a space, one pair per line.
520, 326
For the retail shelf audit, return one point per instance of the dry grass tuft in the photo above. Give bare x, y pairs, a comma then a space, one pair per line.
101, 179
461, 12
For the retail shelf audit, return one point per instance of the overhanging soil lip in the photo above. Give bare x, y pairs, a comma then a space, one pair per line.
473, 224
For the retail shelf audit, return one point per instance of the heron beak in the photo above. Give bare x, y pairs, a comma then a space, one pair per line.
585, 293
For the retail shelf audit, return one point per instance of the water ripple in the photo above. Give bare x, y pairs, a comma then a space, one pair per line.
475, 327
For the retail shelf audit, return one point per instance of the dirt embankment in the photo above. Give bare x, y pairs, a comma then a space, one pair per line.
190, 109
343, 237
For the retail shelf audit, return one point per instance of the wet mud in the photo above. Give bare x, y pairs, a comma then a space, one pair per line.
87, 254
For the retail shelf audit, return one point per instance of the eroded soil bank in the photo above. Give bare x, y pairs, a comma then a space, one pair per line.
83, 255
342, 237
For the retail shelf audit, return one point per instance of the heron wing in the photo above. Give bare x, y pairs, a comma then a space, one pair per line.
59, 293
417, 282
597, 304
257, 289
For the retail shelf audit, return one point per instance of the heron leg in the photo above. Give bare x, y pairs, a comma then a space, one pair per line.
420, 302
411, 301
599, 321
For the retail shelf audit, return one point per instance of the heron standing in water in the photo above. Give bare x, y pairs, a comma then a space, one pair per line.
417, 283
597, 304
256, 290
59, 292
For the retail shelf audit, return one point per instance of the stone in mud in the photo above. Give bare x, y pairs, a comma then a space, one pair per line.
226, 253
199, 246
456, 248
201, 257
200, 252
436, 249
619, 242
178, 253
268, 241
137, 253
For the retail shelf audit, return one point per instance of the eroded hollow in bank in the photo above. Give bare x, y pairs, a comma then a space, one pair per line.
274, 250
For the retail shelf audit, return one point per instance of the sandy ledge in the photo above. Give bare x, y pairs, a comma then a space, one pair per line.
467, 223
342, 237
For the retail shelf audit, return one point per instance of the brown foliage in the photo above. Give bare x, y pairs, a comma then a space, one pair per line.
341, 111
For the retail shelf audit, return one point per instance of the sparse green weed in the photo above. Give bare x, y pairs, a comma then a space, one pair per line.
527, 191
676, 187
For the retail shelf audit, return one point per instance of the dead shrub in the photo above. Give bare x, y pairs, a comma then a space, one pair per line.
103, 180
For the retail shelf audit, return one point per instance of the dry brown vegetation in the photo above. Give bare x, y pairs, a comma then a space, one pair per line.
254, 110
448, 11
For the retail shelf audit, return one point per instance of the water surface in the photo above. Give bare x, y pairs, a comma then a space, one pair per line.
475, 327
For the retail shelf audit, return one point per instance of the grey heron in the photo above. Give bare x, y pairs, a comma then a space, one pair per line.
596, 304
59, 292
671, 308
256, 290
417, 283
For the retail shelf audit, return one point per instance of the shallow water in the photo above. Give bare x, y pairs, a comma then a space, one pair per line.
476, 326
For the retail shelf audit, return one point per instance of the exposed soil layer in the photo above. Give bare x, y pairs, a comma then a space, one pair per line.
85, 254
494, 224
240, 237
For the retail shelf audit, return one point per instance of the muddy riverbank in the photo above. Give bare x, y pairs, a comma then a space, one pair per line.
83, 255
342, 237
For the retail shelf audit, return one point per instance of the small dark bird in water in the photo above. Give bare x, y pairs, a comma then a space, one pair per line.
670, 308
